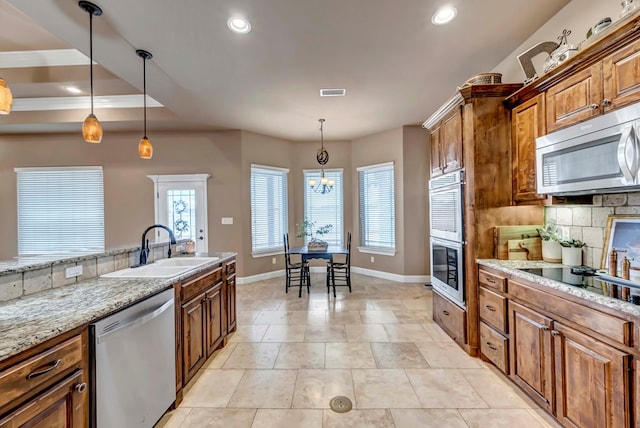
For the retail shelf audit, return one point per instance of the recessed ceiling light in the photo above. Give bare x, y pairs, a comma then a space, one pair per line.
239, 25
333, 92
73, 89
444, 15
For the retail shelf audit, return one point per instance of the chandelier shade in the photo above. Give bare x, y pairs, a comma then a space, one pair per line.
6, 98
91, 128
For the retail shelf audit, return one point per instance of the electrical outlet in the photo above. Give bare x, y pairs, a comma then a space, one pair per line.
373, 259
273, 261
70, 272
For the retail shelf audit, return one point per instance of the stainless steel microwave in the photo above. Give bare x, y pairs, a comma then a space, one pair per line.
600, 155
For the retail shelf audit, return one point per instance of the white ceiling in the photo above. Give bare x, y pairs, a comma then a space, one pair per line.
397, 67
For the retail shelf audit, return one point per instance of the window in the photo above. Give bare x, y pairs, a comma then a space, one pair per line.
268, 208
377, 208
325, 209
60, 210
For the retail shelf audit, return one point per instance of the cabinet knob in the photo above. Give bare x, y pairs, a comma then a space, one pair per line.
606, 102
594, 106
81, 387
555, 333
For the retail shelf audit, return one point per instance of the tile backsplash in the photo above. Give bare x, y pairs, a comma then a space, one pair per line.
588, 222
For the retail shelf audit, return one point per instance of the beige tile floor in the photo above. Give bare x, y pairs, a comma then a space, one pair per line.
377, 345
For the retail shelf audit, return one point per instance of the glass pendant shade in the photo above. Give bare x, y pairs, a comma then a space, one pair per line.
145, 149
6, 99
91, 129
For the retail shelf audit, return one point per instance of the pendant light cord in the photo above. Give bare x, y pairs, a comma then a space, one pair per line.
91, 56
144, 90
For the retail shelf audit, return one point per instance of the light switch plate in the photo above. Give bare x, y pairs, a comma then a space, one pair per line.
72, 271
227, 220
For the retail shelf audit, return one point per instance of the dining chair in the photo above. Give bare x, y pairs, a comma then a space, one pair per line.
295, 272
340, 271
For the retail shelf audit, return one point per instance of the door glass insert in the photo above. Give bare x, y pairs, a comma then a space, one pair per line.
181, 212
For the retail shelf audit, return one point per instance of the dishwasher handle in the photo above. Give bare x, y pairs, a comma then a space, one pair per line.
139, 321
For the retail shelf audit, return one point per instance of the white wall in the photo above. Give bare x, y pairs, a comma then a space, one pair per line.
577, 16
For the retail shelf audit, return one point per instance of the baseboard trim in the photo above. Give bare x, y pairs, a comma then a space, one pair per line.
321, 269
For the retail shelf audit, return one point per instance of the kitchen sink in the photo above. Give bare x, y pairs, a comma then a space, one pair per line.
186, 261
164, 268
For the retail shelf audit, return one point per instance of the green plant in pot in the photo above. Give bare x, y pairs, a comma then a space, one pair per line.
308, 229
551, 248
571, 251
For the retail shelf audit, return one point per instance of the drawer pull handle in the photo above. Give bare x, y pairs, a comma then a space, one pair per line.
491, 308
491, 280
44, 369
490, 345
81, 387
446, 313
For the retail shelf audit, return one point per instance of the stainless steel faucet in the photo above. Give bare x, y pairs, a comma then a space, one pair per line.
144, 247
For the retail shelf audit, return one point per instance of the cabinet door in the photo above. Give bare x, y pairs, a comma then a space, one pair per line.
592, 386
451, 141
436, 152
621, 73
61, 406
574, 99
193, 337
527, 124
215, 319
231, 303
531, 353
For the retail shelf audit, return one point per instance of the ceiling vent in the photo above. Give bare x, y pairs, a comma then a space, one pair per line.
333, 92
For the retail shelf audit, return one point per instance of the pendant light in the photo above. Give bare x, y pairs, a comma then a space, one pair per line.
325, 185
91, 128
6, 99
145, 149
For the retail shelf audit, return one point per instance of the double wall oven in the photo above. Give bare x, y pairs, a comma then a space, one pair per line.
446, 202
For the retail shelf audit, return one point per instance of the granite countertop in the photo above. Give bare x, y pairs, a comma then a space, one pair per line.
511, 267
36, 318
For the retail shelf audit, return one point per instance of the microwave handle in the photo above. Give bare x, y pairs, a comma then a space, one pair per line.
628, 137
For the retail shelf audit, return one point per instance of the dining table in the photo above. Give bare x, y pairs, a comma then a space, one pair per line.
327, 253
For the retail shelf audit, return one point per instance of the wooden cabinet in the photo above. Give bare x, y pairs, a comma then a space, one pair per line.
450, 317
193, 336
531, 353
446, 144
48, 386
621, 77
592, 388
202, 321
230, 282
574, 99
61, 406
527, 124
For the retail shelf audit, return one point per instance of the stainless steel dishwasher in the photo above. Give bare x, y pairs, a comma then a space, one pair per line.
133, 364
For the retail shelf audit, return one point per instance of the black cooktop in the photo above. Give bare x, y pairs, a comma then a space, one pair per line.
588, 279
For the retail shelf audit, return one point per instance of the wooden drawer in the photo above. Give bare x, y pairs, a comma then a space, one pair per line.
37, 370
495, 347
193, 286
587, 317
231, 267
450, 317
493, 309
491, 280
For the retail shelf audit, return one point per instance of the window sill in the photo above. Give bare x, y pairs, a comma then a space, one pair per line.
376, 250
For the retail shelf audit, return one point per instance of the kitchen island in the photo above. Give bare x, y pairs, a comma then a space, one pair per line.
44, 338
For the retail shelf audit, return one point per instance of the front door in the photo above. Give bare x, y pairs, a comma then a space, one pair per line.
181, 204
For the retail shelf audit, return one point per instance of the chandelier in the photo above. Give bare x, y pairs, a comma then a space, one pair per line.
325, 185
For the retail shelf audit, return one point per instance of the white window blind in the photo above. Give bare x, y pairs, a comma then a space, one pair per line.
268, 208
325, 209
60, 210
377, 206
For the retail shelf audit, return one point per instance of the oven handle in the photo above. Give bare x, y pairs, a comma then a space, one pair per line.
628, 137
138, 321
